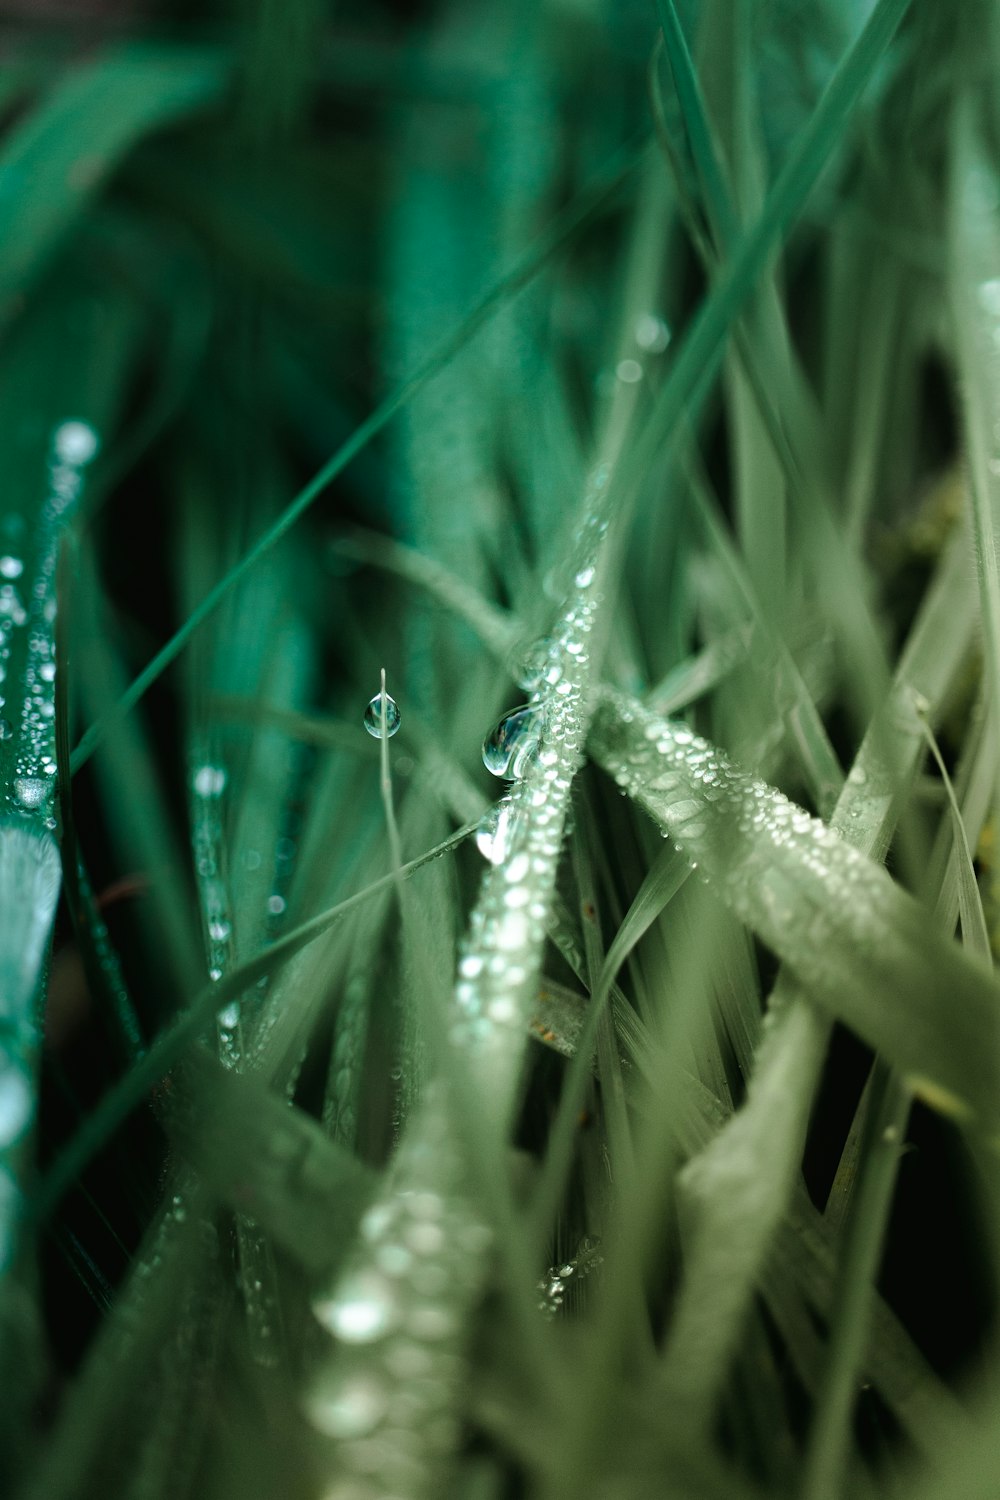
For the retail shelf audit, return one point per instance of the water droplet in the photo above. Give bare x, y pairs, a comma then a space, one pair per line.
510, 744
209, 781
219, 929
629, 371
362, 1310
31, 791
989, 297
15, 1102
373, 717
529, 666
275, 905
75, 443
11, 567
6, 729
229, 1016
349, 1410
651, 333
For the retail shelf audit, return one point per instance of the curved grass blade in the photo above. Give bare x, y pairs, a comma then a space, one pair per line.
61, 152
856, 941
562, 230
174, 1041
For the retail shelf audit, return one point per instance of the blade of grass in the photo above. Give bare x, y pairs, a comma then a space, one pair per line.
564, 227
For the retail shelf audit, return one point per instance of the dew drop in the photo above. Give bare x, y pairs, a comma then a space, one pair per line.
510, 744
529, 667
629, 371
11, 567
31, 791
75, 443
651, 333
209, 781
989, 297
6, 729
362, 1310
373, 717
15, 1104
350, 1410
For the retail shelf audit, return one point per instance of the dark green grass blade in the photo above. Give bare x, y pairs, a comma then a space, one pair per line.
63, 150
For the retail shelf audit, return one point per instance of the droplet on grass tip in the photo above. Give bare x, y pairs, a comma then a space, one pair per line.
373, 717
512, 741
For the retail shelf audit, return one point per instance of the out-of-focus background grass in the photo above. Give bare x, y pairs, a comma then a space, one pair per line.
354, 298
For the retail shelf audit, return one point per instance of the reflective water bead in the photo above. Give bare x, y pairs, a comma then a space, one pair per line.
512, 741
75, 443
15, 1103
373, 717
6, 729
651, 333
989, 297
11, 567
209, 781
363, 1309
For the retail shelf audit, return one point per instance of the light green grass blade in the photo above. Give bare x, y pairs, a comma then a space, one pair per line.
974, 251
857, 942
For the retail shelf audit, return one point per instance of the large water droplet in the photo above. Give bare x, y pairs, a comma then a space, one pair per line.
11, 567
513, 740
373, 717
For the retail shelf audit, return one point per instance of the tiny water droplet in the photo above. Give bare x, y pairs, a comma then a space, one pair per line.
209, 781
15, 1102
529, 666
229, 1016
11, 567
651, 333
373, 717
989, 297
362, 1309
6, 729
75, 443
629, 371
512, 741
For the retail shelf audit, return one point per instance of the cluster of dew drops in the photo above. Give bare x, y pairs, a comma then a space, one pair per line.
74, 445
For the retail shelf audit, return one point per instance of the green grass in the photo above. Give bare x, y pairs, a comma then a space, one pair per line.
524, 355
